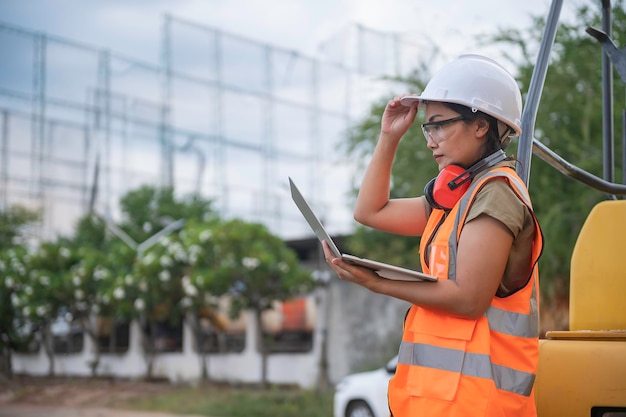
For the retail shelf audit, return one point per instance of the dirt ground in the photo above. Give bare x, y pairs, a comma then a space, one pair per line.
75, 392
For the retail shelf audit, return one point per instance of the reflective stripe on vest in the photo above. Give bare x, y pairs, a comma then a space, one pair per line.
469, 364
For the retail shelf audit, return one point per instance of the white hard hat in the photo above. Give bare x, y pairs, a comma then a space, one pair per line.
477, 82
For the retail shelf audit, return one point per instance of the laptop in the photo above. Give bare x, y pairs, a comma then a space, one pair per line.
382, 269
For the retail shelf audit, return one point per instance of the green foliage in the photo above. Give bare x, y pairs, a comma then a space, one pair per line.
14, 307
148, 209
13, 223
47, 284
256, 267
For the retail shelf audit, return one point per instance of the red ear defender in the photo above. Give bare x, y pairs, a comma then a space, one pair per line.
443, 191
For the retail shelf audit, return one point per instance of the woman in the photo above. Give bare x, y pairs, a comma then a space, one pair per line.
470, 340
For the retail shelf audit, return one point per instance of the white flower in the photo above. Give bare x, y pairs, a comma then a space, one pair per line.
164, 275
283, 267
16, 264
44, 280
2, 266
28, 290
139, 304
26, 311
180, 254
76, 280
79, 294
166, 261
164, 241
128, 280
147, 227
250, 263
15, 300
205, 235
148, 259
190, 290
65, 252
174, 247
186, 302
118, 293
9, 282
100, 273
41, 311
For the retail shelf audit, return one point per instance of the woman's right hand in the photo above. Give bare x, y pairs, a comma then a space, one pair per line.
397, 118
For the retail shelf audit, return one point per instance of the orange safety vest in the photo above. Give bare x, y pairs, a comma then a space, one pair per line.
456, 367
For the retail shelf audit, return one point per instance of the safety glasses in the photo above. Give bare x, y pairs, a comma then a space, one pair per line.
434, 130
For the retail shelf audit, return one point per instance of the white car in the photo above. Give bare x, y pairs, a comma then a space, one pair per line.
364, 394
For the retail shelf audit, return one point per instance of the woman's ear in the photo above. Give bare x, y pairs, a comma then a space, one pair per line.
482, 127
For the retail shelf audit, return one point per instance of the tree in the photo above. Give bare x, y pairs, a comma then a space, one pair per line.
14, 310
46, 290
200, 286
256, 268
14, 224
154, 291
102, 258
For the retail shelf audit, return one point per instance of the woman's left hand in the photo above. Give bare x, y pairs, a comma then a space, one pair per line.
357, 274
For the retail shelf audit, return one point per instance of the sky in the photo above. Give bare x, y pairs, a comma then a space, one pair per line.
129, 27
313, 28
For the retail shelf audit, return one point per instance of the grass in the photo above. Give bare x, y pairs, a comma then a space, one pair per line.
222, 401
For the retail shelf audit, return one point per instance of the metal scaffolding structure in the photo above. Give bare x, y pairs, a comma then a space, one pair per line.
221, 115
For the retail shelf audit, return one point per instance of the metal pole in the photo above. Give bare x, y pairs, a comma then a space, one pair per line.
525, 148
607, 99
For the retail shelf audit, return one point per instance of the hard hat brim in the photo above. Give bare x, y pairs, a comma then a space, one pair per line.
410, 99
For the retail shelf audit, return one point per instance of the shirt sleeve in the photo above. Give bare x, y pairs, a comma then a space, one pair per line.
497, 200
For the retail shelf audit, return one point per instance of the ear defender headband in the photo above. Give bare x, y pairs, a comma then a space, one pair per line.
443, 191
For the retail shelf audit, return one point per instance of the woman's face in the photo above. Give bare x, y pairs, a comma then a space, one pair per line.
456, 142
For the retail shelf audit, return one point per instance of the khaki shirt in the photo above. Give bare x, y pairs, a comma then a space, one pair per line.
498, 201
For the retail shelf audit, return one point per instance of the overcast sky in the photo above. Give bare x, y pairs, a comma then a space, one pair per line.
130, 26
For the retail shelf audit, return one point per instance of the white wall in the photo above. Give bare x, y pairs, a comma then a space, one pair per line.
180, 367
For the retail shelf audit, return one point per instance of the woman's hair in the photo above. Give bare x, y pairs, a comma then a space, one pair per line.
493, 139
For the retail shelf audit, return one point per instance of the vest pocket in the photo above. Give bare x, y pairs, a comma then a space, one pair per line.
435, 345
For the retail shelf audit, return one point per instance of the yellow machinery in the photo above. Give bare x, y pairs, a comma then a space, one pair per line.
582, 372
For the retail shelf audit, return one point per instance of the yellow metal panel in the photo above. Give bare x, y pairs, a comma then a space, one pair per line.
575, 375
598, 270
